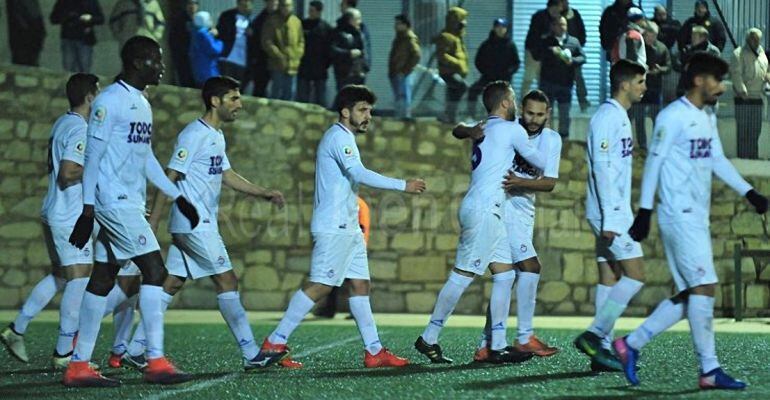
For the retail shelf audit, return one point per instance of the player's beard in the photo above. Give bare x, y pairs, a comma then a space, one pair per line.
529, 125
360, 126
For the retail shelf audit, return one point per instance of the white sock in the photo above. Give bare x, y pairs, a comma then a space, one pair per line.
500, 307
69, 309
38, 298
123, 320
299, 305
445, 303
151, 301
617, 301
666, 314
486, 334
700, 314
138, 342
602, 292
526, 298
361, 309
114, 298
91, 311
235, 315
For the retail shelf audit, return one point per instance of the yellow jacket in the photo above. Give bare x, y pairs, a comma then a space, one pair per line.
450, 48
284, 42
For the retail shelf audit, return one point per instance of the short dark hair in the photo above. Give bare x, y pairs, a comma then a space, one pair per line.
352, 3
138, 47
703, 63
318, 5
538, 96
624, 71
494, 93
79, 86
349, 95
217, 86
404, 19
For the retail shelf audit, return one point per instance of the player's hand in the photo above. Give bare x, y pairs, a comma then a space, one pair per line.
416, 186
477, 131
188, 210
757, 200
609, 236
641, 226
511, 181
83, 227
275, 197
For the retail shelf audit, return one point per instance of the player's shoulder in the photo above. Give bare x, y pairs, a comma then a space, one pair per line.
552, 137
194, 129
672, 113
69, 124
337, 134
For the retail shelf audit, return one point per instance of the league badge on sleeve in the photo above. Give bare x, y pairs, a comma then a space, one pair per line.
604, 146
181, 154
348, 151
100, 114
80, 147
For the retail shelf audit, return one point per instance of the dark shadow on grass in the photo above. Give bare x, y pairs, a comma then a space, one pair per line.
631, 393
520, 380
412, 369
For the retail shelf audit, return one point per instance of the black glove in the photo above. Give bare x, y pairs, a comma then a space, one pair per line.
188, 210
641, 227
757, 200
82, 231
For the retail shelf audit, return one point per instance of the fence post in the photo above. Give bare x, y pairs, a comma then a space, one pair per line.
738, 313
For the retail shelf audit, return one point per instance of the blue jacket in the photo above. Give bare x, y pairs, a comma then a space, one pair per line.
204, 52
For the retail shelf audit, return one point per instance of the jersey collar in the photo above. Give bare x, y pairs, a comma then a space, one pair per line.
344, 128
128, 87
76, 114
616, 104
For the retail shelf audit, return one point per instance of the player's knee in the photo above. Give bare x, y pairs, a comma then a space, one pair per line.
226, 282
76, 271
680, 297
129, 284
316, 291
463, 273
102, 279
360, 287
153, 271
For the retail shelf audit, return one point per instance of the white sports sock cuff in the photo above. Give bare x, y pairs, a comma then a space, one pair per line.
504, 276
636, 285
228, 295
460, 280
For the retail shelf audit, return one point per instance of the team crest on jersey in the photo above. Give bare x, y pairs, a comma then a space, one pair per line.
221, 260
604, 145
142, 240
348, 151
181, 154
80, 147
477, 262
100, 114
523, 248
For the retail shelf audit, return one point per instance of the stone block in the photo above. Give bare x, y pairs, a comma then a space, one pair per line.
420, 302
28, 208
572, 264
18, 150
14, 277
407, 287
580, 294
651, 295
259, 257
386, 301
470, 303
26, 81
383, 269
553, 292
757, 296
260, 278
411, 241
426, 148
292, 281
564, 308
571, 240
746, 224
37, 255
21, 230
445, 242
299, 263
422, 269
656, 271
263, 301
11, 298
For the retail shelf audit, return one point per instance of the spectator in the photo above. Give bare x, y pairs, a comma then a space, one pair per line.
205, 49
26, 31
284, 42
497, 60
130, 18
77, 19
539, 27
658, 65
232, 26
312, 75
256, 57
577, 29
749, 72
344, 5
699, 39
452, 59
669, 27
348, 58
404, 56
180, 29
702, 17
613, 23
560, 55
630, 44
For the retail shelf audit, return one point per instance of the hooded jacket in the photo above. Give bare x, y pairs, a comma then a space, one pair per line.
717, 35
497, 58
204, 49
404, 53
613, 24
284, 42
450, 48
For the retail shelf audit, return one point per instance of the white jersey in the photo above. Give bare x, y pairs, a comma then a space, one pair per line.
335, 203
547, 143
609, 153
199, 155
122, 117
684, 153
491, 157
62, 207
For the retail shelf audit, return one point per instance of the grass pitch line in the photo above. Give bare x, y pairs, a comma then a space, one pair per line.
213, 382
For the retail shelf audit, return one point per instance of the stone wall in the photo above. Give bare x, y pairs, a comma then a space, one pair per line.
413, 238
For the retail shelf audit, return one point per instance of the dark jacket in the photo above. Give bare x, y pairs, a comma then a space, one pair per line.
612, 24
669, 31
688, 52
717, 35
68, 12
497, 58
227, 30
539, 27
575, 26
404, 53
344, 39
657, 54
180, 28
256, 58
552, 68
367, 40
317, 58
26, 28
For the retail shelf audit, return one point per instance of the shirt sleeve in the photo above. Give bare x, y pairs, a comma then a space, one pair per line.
520, 142
187, 145
225, 162
75, 145
725, 170
554, 158
662, 141
345, 152
102, 118
605, 161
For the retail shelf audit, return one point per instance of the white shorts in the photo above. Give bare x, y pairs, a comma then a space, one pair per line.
520, 228
197, 255
337, 257
103, 254
61, 251
689, 255
621, 248
483, 240
125, 234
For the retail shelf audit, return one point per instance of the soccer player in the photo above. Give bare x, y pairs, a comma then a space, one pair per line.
608, 210
483, 238
60, 210
685, 152
522, 183
118, 163
199, 165
339, 252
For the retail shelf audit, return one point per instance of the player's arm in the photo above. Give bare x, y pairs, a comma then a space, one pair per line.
73, 159
522, 145
465, 131
725, 171
238, 183
345, 152
540, 184
158, 178
605, 153
70, 173
159, 201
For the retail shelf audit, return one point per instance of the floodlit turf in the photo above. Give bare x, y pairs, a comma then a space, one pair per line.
334, 366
